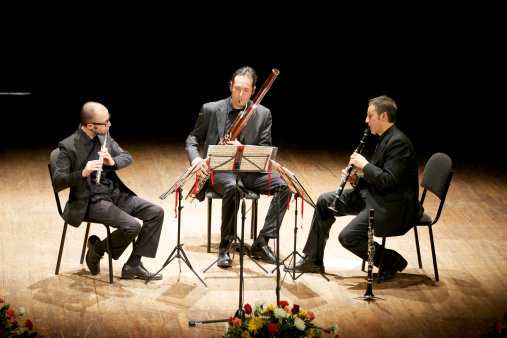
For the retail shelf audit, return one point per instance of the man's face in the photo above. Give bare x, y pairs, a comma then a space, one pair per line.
100, 122
374, 120
242, 91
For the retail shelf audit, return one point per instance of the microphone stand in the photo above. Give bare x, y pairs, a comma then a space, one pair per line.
240, 313
178, 249
233, 244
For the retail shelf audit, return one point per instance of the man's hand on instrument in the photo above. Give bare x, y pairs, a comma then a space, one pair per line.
358, 160
108, 160
234, 142
203, 171
91, 166
353, 178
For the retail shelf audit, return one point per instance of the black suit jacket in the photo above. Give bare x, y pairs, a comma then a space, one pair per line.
68, 169
391, 182
210, 128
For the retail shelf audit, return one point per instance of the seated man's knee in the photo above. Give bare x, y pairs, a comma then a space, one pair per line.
345, 240
132, 228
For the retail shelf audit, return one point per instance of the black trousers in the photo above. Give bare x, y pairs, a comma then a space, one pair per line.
225, 184
122, 211
353, 237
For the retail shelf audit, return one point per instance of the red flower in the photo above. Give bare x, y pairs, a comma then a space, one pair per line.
29, 324
499, 326
272, 328
248, 309
2, 331
283, 303
1, 301
14, 324
230, 320
237, 322
295, 309
9, 313
311, 315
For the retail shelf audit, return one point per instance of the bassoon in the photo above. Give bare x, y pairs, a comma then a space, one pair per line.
348, 171
234, 130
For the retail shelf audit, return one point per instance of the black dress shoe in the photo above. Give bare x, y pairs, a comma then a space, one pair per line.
265, 253
397, 266
93, 258
225, 261
129, 272
306, 265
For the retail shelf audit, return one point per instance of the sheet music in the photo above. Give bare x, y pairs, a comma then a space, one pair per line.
251, 158
189, 173
292, 181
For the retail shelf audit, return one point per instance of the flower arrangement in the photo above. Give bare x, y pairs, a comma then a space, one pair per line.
9, 326
497, 328
280, 321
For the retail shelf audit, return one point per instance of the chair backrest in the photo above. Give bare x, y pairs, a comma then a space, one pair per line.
436, 178
51, 167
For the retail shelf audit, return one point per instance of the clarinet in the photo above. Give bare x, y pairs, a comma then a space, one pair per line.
348, 170
101, 158
371, 252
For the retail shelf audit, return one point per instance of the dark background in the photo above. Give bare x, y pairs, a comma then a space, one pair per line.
448, 85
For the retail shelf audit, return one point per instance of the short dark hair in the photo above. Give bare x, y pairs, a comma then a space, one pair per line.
245, 71
386, 104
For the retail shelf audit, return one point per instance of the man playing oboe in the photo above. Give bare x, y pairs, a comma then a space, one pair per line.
106, 199
213, 122
390, 186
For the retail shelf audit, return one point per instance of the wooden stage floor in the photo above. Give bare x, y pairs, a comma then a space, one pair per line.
470, 244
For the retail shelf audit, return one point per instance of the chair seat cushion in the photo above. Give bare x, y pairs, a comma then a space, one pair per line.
214, 195
425, 220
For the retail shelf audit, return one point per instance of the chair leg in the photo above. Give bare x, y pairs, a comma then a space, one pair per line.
83, 251
62, 242
209, 224
417, 247
433, 253
381, 263
109, 254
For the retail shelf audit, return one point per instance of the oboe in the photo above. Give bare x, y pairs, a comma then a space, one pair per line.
101, 157
348, 170
371, 253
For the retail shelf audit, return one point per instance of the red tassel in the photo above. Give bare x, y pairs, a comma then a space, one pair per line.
302, 209
196, 182
211, 172
176, 203
288, 198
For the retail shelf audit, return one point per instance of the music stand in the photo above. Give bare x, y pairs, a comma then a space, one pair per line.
299, 191
237, 159
178, 251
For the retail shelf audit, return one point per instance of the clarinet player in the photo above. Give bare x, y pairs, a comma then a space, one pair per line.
390, 186
213, 122
106, 199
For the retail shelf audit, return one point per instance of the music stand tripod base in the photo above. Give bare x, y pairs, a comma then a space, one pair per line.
178, 251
